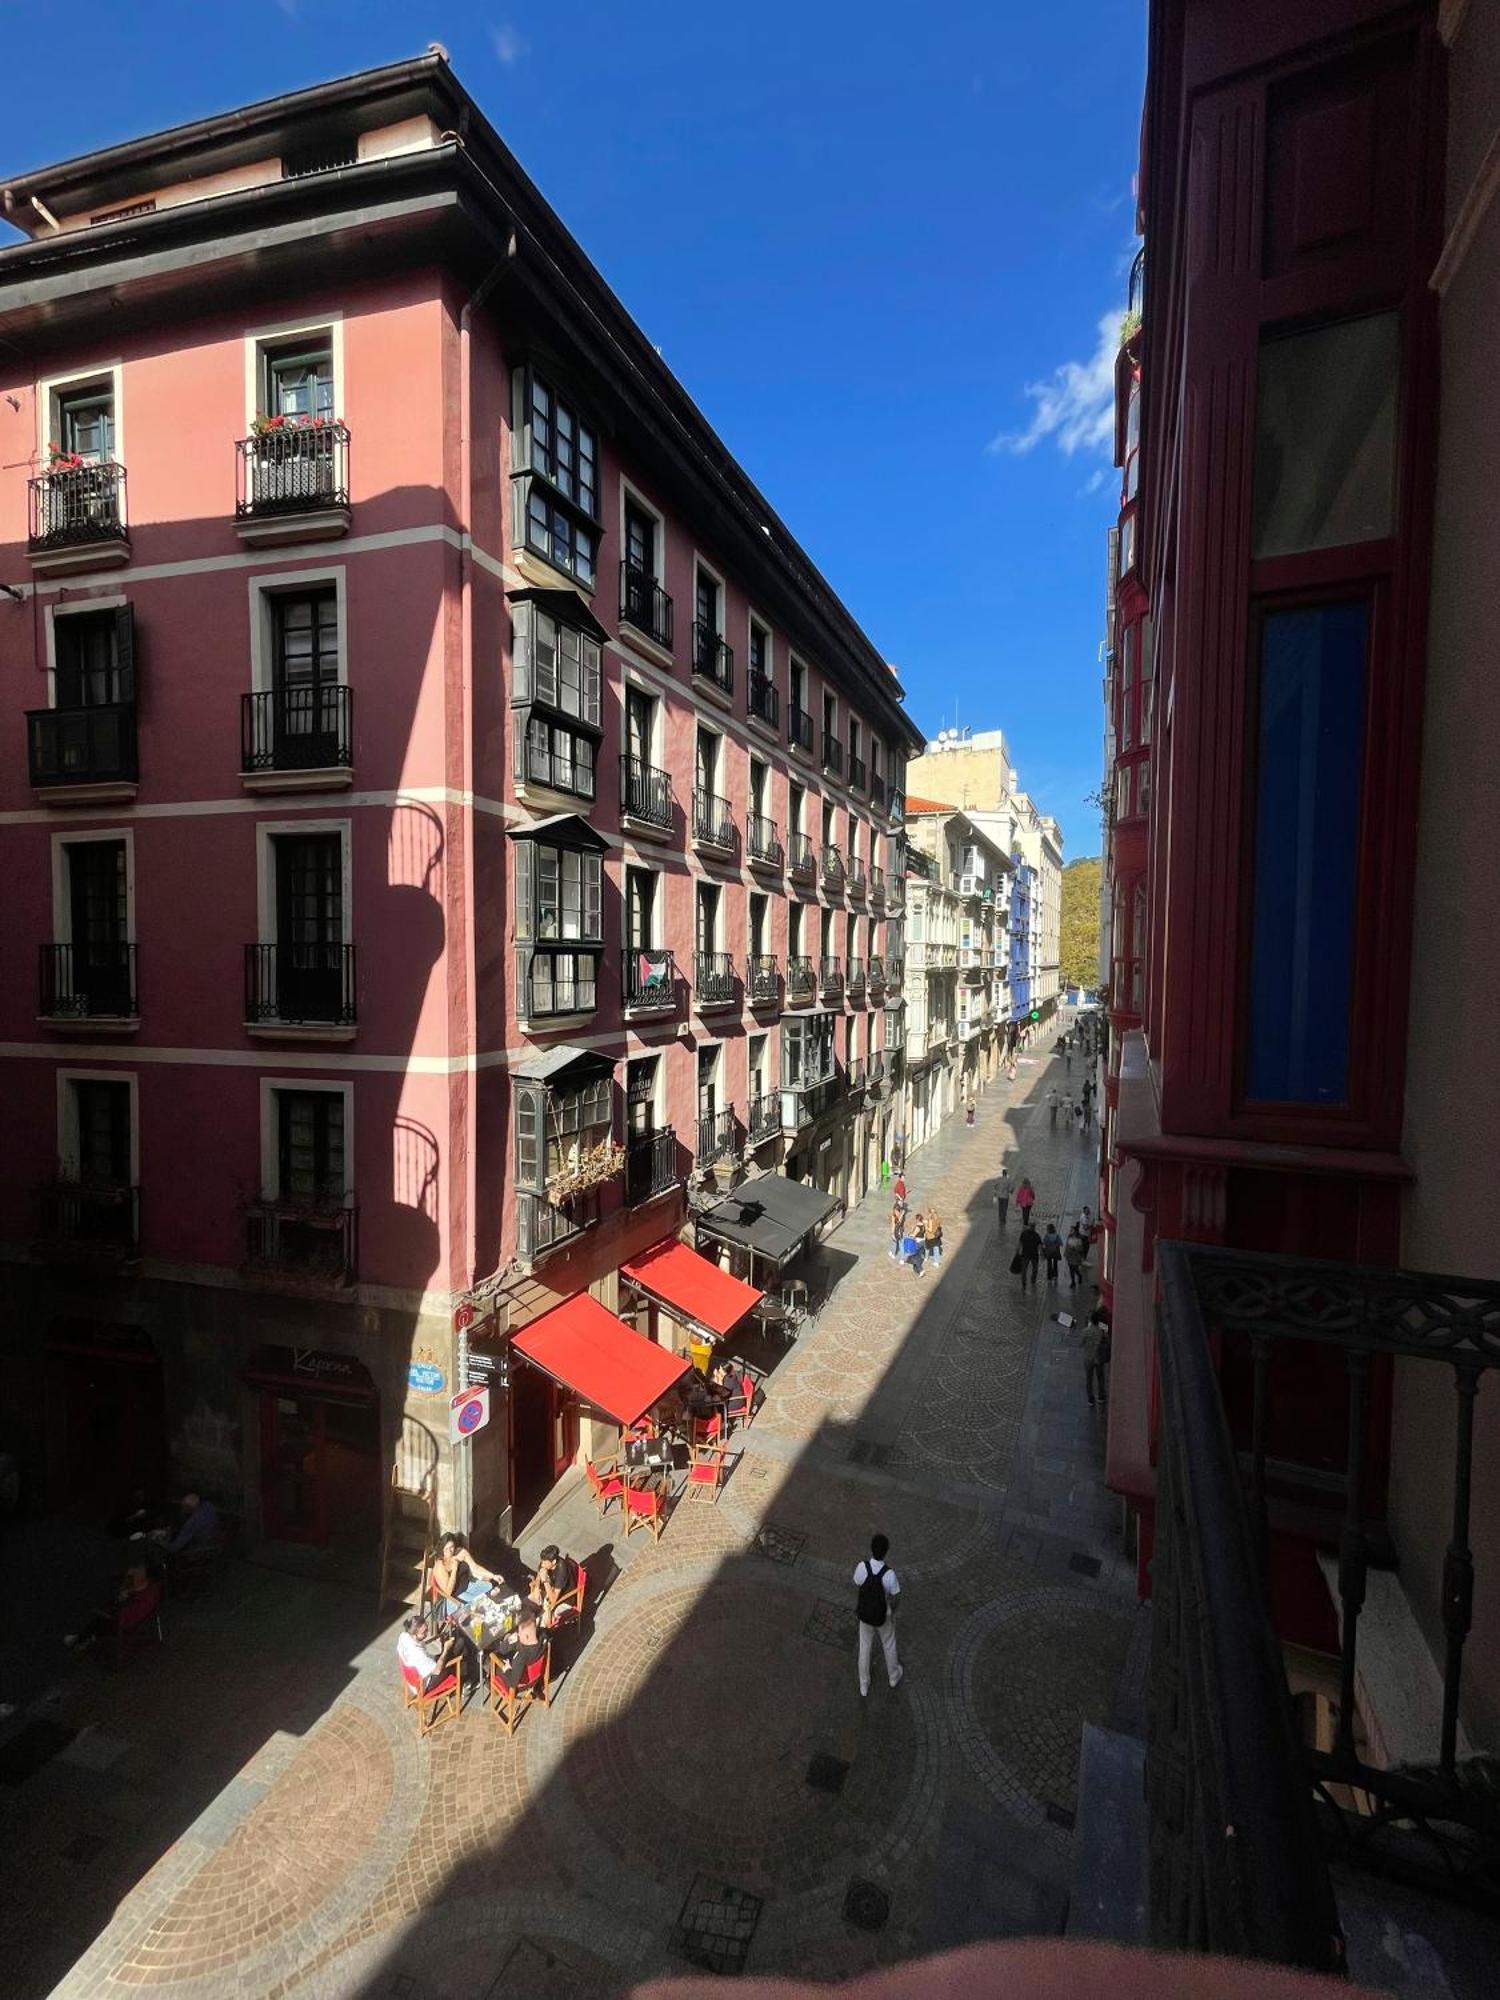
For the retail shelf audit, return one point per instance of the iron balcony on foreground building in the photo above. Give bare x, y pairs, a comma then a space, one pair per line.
310, 1241
91, 982
762, 700
645, 794
77, 510
645, 605
1241, 1811
300, 985
802, 863
761, 985
714, 982
297, 729
801, 981
713, 658
82, 746
81, 1217
648, 982
763, 842
717, 1136
297, 469
713, 821
765, 1117
833, 867
833, 754
799, 728
650, 1165
831, 978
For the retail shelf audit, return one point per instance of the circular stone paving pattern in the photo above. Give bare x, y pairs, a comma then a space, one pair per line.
689, 1749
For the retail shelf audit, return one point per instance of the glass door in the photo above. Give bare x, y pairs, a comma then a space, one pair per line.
309, 926
98, 919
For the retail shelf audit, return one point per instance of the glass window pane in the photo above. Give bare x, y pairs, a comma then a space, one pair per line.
1325, 445
1311, 758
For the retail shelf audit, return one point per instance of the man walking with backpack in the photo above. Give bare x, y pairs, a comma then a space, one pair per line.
879, 1593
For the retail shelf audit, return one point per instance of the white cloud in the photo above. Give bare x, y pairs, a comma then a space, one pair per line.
507, 43
1075, 405
1097, 479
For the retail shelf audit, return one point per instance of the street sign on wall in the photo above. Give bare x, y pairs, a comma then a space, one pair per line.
468, 1412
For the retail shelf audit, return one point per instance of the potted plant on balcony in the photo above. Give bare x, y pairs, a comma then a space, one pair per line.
292, 460
586, 1169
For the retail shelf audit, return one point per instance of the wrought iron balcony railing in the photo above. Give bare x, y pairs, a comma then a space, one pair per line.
761, 986
833, 867
298, 729
73, 505
895, 974
648, 983
877, 976
764, 702
833, 754
801, 861
300, 985
854, 983
856, 1076
877, 883
645, 793
300, 468
1233, 1795
799, 728
645, 605
831, 978
313, 1241
765, 1117
856, 773
713, 821
714, 982
87, 982
877, 789
713, 659
78, 1215
856, 876
801, 981
81, 746
763, 841
717, 1136
650, 1165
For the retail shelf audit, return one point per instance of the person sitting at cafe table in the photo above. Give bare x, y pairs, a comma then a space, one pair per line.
199, 1524
107, 1620
524, 1650
414, 1649
454, 1568
557, 1578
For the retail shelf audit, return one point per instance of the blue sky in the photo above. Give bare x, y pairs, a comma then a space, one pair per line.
876, 242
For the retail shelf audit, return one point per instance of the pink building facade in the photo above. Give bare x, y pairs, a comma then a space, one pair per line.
446, 818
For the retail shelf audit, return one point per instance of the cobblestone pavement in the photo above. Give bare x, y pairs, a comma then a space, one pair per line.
250, 1811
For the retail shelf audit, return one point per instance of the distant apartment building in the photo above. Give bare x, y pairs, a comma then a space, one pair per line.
957, 972
447, 820
975, 772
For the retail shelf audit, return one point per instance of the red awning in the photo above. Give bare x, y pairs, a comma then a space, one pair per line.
583, 1346
691, 1286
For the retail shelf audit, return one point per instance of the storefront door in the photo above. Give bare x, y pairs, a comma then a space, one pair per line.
319, 1420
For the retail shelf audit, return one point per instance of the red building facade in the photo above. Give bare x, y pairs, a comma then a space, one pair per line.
444, 811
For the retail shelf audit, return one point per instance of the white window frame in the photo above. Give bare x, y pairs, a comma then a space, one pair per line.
62, 902
258, 338
752, 619
74, 608
828, 692
701, 563
270, 1153
700, 883
629, 678
67, 1117
769, 1083
265, 871
716, 1050
702, 723
48, 414
658, 900
633, 494
283, 584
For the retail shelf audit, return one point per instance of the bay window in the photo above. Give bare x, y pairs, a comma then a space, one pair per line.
559, 916
556, 478
565, 1147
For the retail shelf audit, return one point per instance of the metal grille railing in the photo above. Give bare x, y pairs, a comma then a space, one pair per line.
84, 982
645, 792
760, 980
297, 468
713, 979
645, 605
650, 1165
764, 702
300, 984
81, 746
298, 729
713, 658
713, 820
76, 504
307, 1240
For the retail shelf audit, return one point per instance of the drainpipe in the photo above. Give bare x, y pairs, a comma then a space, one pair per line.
463, 1473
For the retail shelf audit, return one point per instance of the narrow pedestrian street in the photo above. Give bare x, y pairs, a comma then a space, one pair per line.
708, 1787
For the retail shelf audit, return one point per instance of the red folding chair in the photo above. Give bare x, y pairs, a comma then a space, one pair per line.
137, 1619
740, 1409
435, 1701
706, 1473
606, 1481
569, 1610
536, 1685
645, 1507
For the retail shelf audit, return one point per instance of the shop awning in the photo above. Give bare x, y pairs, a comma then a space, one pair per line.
770, 1216
691, 1287
582, 1345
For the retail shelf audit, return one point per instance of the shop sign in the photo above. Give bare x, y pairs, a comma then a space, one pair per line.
488, 1368
425, 1378
329, 1367
469, 1411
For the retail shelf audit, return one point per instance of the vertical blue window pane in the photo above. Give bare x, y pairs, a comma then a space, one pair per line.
1311, 757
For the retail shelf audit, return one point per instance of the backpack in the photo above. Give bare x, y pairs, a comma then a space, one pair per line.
872, 1603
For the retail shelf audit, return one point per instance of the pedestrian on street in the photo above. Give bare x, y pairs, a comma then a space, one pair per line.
914, 1244
1068, 1060
933, 1236
898, 1230
1086, 1225
1002, 1196
969, 1111
1025, 1202
879, 1595
1052, 1251
1028, 1251
1068, 1107
1073, 1254
899, 1191
1096, 1351
1052, 1106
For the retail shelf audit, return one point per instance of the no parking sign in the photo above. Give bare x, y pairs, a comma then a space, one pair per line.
468, 1411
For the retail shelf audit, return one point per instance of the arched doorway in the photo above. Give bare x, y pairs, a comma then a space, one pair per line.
319, 1435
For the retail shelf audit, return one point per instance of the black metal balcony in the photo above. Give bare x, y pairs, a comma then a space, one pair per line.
895, 974
713, 821
801, 981
88, 982
765, 1117
831, 978
877, 789
833, 867
856, 773
1233, 1796
81, 746
299, 467
74, 505
877, 976
645, 793
801, 861
762, 988
856, 876
298, 729
764, 701
76, 1216
713, 659
855, 1077
300, 985
648, 983
877, 883
833, 754
645, 605
763, 841
310, 1241
799, 728
854, 983
717, 1136
714, 983
650, 1165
